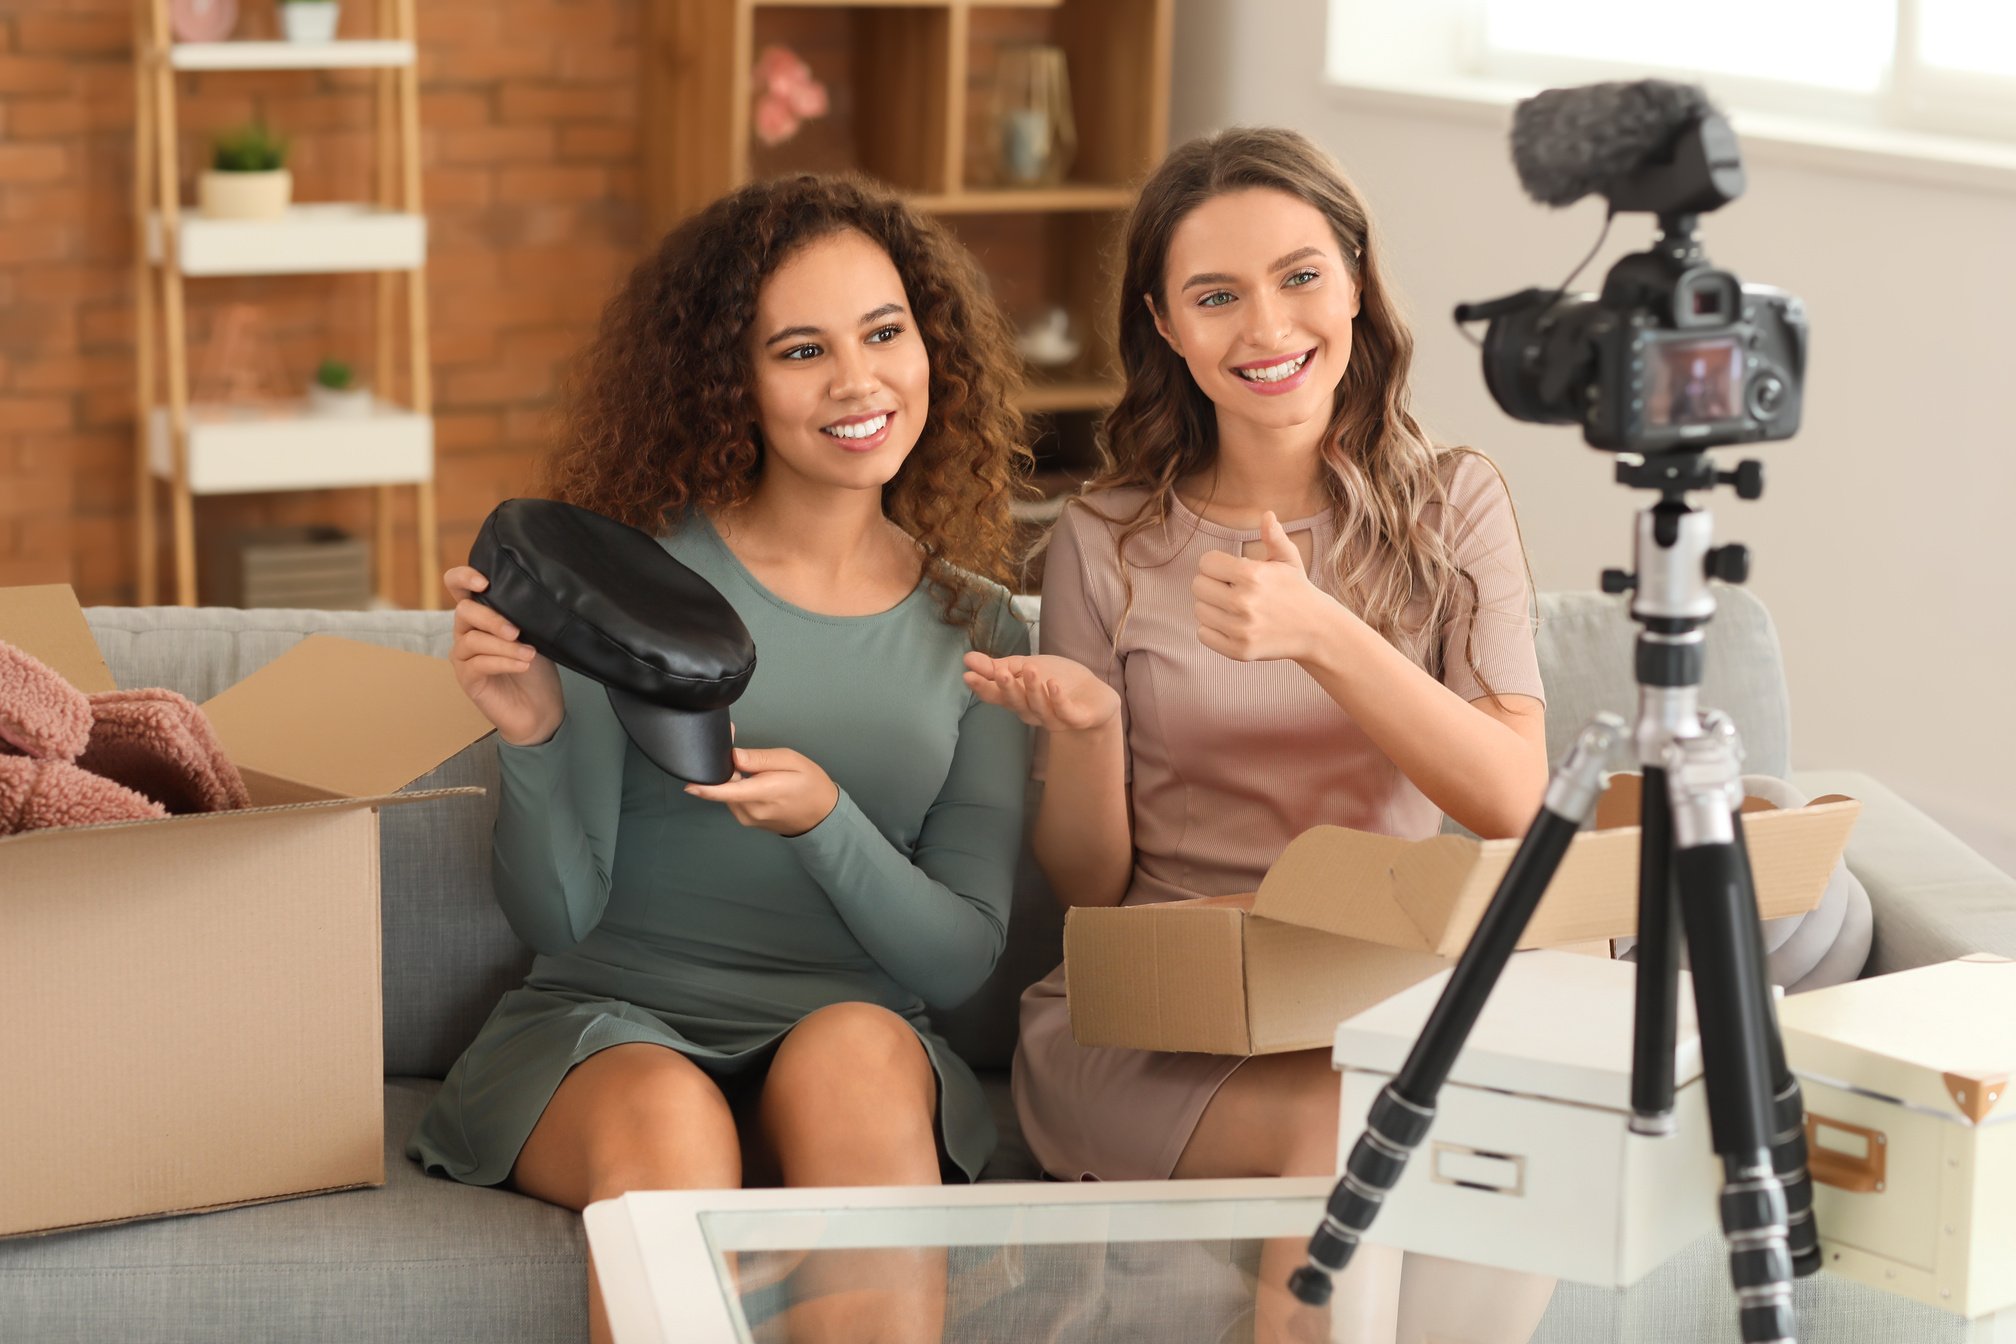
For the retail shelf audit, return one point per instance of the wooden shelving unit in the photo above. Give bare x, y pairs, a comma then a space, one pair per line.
910, 83
197, 449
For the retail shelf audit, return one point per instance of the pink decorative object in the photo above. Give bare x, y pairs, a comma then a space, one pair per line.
786, 95
775, 121
202, 20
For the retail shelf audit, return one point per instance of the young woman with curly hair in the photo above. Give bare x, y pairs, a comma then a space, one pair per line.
1215, 680
806, 393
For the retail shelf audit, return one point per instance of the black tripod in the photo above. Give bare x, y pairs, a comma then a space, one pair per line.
1694, 882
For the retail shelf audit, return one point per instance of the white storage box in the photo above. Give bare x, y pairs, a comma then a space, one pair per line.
1531, 1164
1911, 1129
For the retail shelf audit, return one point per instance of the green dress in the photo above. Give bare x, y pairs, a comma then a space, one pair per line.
658, 918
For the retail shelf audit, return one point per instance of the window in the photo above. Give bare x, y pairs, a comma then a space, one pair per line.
1971, 35
1934, 65
1744, 38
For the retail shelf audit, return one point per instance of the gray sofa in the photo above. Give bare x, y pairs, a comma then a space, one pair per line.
428, 1258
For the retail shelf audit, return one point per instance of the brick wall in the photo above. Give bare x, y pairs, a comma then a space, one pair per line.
530, 181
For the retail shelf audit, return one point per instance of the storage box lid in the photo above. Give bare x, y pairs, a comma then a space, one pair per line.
1557, 1025
348, 719
46, 622
1942, 1037
1428, 895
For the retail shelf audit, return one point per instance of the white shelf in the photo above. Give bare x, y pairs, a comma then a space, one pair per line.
339, 55
320, 238
234, 449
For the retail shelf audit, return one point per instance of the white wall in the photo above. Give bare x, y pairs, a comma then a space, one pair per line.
1882, 542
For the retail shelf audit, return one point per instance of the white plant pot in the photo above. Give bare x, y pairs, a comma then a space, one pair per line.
222, 195
309, 20
343, 403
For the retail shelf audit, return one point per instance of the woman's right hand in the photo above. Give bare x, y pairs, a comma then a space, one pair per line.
1048, 692
516, 687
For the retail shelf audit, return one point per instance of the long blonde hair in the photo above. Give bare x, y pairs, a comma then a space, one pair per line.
1382, 472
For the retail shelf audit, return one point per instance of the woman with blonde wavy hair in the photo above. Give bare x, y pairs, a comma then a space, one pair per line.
806, 393
1280, 605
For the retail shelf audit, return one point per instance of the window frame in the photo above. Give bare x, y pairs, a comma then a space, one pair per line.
1911, 96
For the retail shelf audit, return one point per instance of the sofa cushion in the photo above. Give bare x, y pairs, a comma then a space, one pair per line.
420, 1258
1586, 643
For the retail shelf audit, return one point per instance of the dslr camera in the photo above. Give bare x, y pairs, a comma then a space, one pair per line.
1676, 354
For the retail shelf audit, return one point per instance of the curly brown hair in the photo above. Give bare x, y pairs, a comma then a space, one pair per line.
661, 414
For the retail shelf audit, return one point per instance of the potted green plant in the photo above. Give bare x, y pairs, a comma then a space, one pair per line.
308, 20
247, 177
336, 391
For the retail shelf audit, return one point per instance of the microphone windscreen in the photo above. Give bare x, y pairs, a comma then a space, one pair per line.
1567, 143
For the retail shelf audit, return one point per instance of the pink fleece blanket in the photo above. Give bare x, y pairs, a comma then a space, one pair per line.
71, 759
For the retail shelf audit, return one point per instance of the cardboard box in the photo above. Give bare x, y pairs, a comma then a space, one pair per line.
1911, 1129
1346, 918
190, 1012
1531, 1164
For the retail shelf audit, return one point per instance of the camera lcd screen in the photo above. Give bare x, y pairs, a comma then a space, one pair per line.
1694, 382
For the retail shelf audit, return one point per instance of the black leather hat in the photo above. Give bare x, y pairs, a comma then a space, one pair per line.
606, 600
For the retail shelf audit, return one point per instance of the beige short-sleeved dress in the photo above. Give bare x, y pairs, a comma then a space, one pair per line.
1227, 762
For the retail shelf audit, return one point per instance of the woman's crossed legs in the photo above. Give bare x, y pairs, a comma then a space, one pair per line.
850, 1099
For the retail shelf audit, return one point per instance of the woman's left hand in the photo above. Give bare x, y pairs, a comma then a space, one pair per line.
1260, 610
775, 790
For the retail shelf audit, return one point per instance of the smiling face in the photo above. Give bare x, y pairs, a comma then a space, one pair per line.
1258, 301
841, 375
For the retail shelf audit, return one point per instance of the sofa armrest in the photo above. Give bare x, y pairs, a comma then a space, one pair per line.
1933, 898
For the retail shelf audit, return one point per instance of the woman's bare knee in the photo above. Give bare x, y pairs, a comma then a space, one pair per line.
631, 1117
852, 1053
852, 1098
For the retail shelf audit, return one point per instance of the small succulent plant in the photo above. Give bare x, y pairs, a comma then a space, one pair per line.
249, 149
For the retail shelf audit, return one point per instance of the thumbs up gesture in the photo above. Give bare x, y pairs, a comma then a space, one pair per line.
1260, 610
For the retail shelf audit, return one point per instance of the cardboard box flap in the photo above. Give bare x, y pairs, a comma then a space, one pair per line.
1376, 887
351, 719
46, 622
1940, 1036
1428, 895
1557, 1025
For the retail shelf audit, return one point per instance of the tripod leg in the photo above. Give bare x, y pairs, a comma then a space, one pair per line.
1725, 950
1788, 1105
1405, 1108
1655, 1020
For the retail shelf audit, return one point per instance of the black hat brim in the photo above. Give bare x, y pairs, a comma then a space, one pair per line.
693, 745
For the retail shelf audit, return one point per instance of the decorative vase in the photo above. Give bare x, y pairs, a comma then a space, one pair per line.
309, 20
202, 20
229, 195
1036, 137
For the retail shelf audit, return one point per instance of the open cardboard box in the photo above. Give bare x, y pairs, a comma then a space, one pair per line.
1345, 919
192, 1015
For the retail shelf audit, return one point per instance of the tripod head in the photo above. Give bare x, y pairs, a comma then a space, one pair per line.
1679, 594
